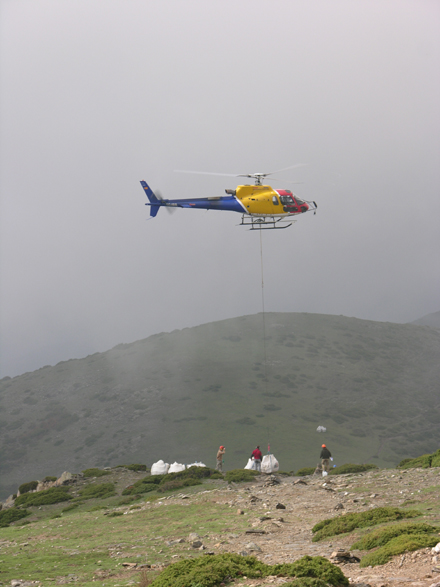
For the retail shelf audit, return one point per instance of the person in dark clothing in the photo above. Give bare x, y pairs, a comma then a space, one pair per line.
325, 458
257, 456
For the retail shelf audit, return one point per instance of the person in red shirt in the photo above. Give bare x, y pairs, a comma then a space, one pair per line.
257, 456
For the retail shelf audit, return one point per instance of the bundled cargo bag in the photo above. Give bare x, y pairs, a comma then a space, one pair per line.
196, 464
176, 468
159, 468
250, 464
269, 464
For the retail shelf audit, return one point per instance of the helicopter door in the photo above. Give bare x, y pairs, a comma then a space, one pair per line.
289, 204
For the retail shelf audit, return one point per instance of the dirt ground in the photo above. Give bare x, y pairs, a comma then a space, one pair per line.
284, 534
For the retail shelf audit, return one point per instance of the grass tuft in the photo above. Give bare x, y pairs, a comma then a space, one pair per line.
382, 536
12, 515
94, 472
241, 475
305, 471
46, 497
350, 468
349, 522
98, 490
216, 570
398, 545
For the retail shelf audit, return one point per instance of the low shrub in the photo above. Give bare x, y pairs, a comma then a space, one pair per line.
350, 468
115, 514
286, 473
95, 473
46, 497
135, 467
26, 487
142, 486
69, 508
212, 571
12, 515
381, 536
423, 462
177, 484
241, 475
98, 490
349, 522
194, 472
305, 471
398, 545
306, 582
125, 501
49, 478
435, 461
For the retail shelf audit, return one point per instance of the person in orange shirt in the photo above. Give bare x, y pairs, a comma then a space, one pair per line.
220, 453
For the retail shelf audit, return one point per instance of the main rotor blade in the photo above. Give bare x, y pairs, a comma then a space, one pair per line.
206, 173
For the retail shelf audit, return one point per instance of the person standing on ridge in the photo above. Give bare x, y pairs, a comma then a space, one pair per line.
257, 456
221, 451
325, 458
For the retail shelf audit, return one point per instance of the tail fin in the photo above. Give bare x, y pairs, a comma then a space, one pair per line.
154, 201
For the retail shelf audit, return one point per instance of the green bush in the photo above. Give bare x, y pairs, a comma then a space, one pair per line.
435, 462
12, 515
95, 473
305, 471
398, 545
286, 473
350, 468
135, 467
177, 484
306, 582
381, 536
349, 522
241, 475
49, 478
69, 508
144, 485
424, 462
46, 497
194, 472
212, 571
26, 487
98, 490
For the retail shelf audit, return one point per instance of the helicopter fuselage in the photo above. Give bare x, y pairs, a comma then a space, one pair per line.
250, 200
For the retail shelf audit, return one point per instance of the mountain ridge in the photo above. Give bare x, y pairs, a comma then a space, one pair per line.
179, 395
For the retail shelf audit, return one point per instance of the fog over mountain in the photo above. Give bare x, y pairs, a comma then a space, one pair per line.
239, 382
97, 96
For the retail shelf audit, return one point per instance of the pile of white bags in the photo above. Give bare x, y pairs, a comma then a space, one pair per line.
176, 468
269, 464
159, 468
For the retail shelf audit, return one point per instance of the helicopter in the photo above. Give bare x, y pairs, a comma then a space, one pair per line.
261, 206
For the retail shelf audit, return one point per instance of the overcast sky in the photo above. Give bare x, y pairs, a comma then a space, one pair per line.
97, 95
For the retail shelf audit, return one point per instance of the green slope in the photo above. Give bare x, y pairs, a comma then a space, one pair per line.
178, 396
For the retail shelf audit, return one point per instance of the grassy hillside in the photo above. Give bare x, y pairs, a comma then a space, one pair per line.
178, 396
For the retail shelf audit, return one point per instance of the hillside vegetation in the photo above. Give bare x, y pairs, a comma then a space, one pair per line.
178, 396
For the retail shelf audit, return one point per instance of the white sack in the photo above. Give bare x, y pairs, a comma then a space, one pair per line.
250, 464
176, 468
196, 464
269, 464
159, 468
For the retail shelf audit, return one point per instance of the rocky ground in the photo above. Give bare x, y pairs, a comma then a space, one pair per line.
283, 534
271, 518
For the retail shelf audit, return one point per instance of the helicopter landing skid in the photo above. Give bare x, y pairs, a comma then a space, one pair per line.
265, 222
